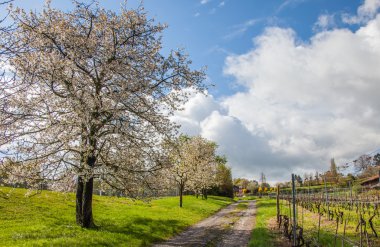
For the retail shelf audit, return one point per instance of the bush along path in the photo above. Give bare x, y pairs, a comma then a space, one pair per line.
231, 226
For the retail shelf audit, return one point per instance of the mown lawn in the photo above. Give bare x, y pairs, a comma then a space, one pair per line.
48, 219
261, 235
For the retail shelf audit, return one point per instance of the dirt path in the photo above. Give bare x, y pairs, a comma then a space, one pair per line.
231, 226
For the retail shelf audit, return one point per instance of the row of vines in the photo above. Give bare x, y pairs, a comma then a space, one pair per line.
329, 217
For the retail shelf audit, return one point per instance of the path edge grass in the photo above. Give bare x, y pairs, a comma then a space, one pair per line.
261, 235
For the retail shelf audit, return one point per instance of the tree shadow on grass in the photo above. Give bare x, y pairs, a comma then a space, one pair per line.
217, 198
146, 230
220, 201
139, 231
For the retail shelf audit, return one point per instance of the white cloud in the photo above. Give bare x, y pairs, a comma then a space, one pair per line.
304, 103
197, 14
288, 3
240, 29
324, 22
205, 1
221, 4
199, 107
219, 49
247, 153
365, 12
313, 101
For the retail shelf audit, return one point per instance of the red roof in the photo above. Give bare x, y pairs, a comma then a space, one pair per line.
370, 179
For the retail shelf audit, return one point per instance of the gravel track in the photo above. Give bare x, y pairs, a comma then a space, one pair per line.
229, 227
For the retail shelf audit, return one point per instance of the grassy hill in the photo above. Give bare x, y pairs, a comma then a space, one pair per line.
48, 219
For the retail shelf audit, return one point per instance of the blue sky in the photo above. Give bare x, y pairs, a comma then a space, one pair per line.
296, 81
209, 30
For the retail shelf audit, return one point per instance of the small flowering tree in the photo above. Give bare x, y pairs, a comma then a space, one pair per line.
90, 97
179, 171
193, 165
204, 165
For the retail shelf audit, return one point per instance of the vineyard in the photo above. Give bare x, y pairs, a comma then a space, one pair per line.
329, 216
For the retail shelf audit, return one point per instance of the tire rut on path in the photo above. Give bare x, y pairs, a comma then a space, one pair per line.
227, 228
240, 234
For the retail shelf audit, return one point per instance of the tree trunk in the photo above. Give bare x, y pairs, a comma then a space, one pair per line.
88, 220
205, 192
180, 195
79, 198
85, 189
84, 216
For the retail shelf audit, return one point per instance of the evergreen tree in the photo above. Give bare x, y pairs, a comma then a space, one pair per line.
333, 170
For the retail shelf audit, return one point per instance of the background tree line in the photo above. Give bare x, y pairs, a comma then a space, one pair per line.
362, 168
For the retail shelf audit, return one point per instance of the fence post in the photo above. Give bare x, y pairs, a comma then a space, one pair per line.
351, 202
278, 203
361, 228
294, 211
319, 221
327, 199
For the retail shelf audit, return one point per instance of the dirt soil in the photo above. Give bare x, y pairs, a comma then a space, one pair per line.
279, 240
229, 227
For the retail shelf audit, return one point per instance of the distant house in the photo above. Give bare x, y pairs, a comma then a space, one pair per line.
371, 182
236, 189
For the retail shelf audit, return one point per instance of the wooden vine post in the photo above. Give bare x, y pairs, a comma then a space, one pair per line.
278, 203
294, 211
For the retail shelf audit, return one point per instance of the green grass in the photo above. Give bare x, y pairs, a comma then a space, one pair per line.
48, 219
242, 206
261, 235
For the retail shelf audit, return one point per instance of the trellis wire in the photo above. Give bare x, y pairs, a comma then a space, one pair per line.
337, 204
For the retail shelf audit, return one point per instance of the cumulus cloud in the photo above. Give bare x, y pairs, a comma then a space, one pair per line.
365, 12
304, 102
315, 100
248, 154
199, 107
